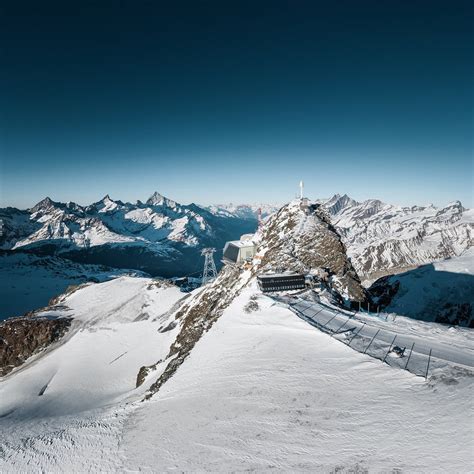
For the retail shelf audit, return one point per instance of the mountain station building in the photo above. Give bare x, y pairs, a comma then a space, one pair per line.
239, 251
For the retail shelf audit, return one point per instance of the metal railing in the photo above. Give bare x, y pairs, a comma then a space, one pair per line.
377, 342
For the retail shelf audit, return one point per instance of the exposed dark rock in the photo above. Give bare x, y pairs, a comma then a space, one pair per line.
384, 290
20, 338
433, 295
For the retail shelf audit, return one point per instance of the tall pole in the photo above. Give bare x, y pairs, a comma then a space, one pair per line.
411, 350
301, 189
371, 341
428, 366
390, 348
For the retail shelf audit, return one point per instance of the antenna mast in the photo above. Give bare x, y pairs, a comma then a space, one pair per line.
209, 273
301, 189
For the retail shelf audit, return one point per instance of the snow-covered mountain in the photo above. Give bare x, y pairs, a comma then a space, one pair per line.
160, 236
245, 211
383, 238
139, 377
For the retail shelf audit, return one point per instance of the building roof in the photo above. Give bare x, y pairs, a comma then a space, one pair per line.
241, 243
280, 275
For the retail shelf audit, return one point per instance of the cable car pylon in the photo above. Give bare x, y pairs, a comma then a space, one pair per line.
209, 273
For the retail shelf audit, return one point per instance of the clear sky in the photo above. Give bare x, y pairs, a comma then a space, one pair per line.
236, 101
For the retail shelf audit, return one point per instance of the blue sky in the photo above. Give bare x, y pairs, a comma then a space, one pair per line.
208, 102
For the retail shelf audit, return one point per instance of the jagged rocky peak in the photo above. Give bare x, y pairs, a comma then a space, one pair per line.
302, 239
157, 199
338, 203
46, 203
454, 207
105, 204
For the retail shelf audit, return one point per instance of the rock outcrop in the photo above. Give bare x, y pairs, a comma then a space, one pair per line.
302, 239
20, 338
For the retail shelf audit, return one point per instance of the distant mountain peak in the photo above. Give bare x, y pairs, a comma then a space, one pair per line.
337, 203
157, 199
45, 203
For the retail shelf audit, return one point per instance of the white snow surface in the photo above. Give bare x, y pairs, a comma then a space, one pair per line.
262, 390
85, 377
246, 211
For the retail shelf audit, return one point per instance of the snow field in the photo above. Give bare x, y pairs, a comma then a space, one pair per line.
265, 391
86, 380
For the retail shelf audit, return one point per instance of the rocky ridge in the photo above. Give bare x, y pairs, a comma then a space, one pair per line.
304, 240
293, 239
382, 238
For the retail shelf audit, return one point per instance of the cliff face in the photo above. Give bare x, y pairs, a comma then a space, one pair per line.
303, 240
20, 338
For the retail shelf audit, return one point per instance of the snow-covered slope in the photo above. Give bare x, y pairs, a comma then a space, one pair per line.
160, 236
442, 291
383, 238
263, 391
117, 326
29, 281
107, 221
260, 390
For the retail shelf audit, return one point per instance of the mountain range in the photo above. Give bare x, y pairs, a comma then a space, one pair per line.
383, 238
163, 237
160, 236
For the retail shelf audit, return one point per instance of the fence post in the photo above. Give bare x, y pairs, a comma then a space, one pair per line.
372, 340
428, 366
390, 348
340, 327
355, 334
411, 350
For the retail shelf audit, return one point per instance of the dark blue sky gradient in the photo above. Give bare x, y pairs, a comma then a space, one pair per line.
236, 101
